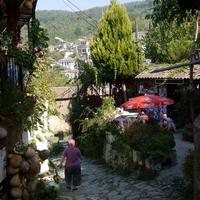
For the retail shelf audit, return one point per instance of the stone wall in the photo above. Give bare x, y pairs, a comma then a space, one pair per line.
117, 159
112, 157
58, 123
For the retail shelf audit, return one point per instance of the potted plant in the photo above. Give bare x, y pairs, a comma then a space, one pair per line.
32, 56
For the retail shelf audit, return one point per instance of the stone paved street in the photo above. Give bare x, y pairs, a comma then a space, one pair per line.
101, 183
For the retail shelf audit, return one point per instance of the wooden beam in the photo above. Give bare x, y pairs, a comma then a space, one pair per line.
176, 66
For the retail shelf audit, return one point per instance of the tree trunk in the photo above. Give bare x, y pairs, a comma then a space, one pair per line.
197, 120
124, 91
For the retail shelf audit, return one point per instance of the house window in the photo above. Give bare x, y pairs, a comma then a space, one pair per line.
11, 72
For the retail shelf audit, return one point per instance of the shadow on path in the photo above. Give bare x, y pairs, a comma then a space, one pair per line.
101, 183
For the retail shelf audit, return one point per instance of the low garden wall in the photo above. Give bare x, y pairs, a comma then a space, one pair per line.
126, 157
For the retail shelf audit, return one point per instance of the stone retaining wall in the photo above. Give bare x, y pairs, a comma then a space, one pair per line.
118, 160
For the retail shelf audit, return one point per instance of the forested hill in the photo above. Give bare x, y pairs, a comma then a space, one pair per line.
73, 25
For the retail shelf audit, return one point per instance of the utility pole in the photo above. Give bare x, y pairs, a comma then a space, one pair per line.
197, 135
136, 42
136, 31
102, 8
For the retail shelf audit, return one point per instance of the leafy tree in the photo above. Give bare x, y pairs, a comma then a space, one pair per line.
112, 48
178, 51
57, 55
158, 38
168, 10
172, 20
78, 32
142, 23
86, 77
56, 80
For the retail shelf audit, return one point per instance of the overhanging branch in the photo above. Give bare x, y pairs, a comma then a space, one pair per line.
176, 66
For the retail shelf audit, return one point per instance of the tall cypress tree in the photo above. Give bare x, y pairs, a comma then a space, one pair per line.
113, 50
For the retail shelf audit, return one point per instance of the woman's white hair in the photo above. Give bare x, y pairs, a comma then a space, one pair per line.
164, 115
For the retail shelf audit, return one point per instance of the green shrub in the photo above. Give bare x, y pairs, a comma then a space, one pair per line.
183, 189
56, 149
150, 140
185, 186
147, 174
89, 145
91, 140
128, 167
188, 192
161, 145
45, 192
188, 135
93, 129
178, 184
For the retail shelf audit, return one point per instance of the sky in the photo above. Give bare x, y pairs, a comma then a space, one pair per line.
74, 5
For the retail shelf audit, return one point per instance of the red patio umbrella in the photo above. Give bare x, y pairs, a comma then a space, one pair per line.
147, 101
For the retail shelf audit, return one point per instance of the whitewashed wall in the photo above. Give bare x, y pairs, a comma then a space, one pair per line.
31, 135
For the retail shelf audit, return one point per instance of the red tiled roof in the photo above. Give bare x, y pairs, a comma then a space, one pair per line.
172, 73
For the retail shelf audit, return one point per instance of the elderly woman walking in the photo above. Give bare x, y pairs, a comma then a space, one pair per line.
72, 165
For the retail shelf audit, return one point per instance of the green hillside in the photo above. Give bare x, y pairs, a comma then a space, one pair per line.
73, 25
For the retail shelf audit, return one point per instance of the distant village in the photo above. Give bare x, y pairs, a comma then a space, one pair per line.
81, 47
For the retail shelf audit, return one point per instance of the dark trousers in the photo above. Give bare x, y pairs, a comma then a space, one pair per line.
73, 175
